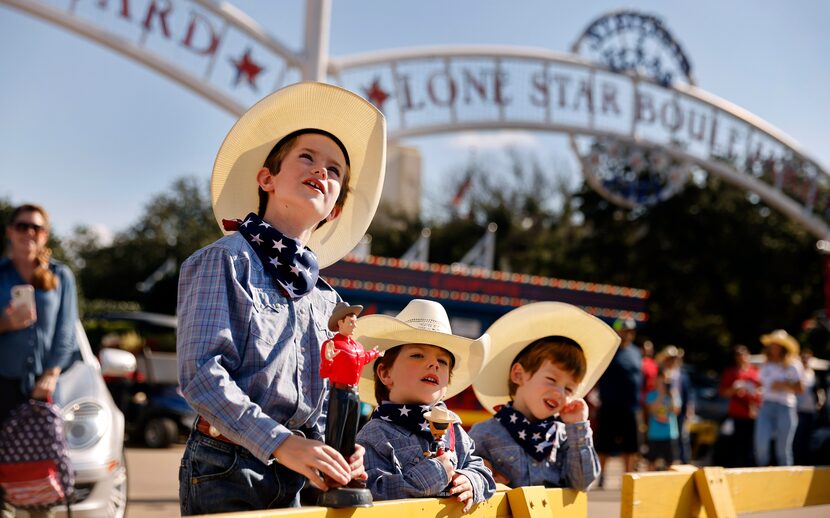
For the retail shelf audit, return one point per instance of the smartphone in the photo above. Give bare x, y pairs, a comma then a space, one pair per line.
24, 295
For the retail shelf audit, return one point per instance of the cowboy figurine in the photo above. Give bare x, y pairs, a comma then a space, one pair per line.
341, 361
439, 420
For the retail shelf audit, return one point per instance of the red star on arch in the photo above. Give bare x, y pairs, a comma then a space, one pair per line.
376, 94
246, 66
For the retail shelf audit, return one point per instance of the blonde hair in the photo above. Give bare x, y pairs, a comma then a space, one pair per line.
42, 278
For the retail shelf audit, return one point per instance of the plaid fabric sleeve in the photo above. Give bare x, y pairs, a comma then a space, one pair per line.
580, 461
214, 312
472, 466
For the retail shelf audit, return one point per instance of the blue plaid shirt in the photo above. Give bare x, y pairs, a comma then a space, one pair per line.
249, 357
397, 467
576, 465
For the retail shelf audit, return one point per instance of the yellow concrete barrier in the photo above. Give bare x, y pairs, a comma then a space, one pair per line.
522, 502
722, 493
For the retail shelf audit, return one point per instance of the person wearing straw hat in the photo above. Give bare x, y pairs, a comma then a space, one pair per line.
781, 379
545, 357
295, 185
423, 364
670, 360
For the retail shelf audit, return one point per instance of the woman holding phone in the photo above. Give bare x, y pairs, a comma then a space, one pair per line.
38, 311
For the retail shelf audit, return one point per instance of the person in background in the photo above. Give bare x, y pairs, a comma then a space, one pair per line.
619, 415
741, 384
649, 368
807, 404
781, 381
670, 360
663, 429
36, 343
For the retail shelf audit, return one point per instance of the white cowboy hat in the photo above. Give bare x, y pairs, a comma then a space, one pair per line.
354, 121
441, 415
514, 331
421, 322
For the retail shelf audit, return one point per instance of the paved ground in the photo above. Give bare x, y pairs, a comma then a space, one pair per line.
153, 488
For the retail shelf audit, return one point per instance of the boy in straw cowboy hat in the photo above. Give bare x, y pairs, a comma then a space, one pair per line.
545, 357
423, 364
295, 184
781, 379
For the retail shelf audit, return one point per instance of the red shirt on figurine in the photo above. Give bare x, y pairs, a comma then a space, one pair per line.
342, 358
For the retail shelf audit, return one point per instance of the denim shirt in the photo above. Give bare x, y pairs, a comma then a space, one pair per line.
249, 357
397, 467
49, 342
576, 464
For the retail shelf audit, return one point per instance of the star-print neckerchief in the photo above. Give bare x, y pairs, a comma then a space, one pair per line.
538, 439
410, 417
291, 265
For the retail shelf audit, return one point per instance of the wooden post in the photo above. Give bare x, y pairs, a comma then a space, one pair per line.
713, 489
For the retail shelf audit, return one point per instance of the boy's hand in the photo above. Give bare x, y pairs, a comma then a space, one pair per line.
356, 463
462, 488
447, 460
311, 458
498, 476
574, 412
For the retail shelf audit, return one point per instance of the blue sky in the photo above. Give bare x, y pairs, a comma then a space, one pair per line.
93, 136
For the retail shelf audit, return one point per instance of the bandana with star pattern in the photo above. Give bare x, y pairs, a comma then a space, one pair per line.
291, 265
539, 440
410, 417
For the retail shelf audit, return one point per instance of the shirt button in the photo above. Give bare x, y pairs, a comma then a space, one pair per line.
302, 349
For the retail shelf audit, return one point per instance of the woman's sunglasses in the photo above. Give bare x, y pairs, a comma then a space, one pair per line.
22, 226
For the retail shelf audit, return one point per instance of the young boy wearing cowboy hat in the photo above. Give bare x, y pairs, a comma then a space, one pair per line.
781, 379
545, 358
423, 364
298, 177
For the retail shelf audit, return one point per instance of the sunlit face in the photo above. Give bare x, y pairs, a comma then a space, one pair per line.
545, 392
309, 179
419, 375
28, 233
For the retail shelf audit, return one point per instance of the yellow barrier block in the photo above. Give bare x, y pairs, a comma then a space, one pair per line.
713, 489
663, 494
539, 502
770, 489
496, 507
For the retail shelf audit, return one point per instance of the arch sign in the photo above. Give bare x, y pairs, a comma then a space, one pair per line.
625, 94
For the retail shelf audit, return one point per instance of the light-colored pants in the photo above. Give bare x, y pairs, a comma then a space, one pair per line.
775, 421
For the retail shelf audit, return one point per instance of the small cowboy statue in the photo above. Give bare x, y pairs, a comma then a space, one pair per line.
341, 361
440, 421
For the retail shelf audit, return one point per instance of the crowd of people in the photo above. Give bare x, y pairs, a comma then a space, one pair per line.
646, 403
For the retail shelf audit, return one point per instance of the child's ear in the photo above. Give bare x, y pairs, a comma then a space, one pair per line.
335, 213
265, 179
517, 374
383, 375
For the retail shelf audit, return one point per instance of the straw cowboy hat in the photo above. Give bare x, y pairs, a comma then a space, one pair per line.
441, 415
514, 331
782, 338
421, 322
669, 351
340, 311
359, 126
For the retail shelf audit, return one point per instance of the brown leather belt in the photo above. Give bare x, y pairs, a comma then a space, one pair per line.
204, 427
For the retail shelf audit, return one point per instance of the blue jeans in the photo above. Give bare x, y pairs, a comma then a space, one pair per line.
775, 421
217, 477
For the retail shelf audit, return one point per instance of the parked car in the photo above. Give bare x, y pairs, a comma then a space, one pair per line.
94, 431
156, 413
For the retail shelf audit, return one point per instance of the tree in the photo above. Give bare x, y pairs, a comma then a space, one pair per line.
174, 225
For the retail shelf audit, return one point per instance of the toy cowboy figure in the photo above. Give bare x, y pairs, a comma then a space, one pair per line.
440, 420
341, 361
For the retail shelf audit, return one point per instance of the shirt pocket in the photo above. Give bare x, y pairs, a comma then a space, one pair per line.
271, 322
405, 454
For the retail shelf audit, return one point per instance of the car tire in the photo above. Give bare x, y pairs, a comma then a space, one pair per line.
160, 432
